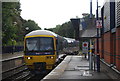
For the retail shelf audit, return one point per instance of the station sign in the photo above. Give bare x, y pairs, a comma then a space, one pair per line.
99, 23
85, 47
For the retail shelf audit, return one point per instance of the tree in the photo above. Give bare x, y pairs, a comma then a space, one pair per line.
10, 11
30, 25
13, 26
65, 30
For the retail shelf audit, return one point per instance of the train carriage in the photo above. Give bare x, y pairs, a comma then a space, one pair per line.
72, 46
41, 48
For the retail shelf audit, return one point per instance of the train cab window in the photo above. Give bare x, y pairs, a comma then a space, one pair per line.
46, 44
39, 44
32, 44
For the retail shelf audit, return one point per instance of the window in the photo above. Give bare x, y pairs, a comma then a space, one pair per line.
39, 44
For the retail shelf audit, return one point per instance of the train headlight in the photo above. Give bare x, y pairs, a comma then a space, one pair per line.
29, 58
50, 57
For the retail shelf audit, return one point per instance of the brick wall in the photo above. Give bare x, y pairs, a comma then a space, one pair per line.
113, 48
101, 48
118, 48
107, 47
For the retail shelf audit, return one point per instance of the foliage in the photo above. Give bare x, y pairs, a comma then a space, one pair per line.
9, 24
30, 25
87, 19
13, 26
65, 30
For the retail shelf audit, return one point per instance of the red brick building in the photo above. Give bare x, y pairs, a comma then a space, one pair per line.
109, 42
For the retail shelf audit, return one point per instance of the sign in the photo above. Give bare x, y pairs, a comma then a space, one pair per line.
99, 23
85, 47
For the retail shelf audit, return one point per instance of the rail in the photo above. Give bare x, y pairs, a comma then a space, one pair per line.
21, 72
18, 57
13, 68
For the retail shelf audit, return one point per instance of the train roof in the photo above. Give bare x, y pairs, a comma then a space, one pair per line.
69, 40
41, 32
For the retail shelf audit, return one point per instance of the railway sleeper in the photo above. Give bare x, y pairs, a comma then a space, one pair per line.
9, 74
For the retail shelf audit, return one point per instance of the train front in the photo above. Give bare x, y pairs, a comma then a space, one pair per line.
40, 52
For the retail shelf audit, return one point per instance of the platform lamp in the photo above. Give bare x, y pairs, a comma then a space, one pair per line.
12, 46
27, 28
98, 56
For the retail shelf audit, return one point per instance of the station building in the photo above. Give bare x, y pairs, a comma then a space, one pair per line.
109, 41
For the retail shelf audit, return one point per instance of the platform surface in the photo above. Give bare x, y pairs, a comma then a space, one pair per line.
76, 67
8, 56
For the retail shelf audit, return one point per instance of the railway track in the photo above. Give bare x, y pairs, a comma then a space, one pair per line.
14, 69
17, 73
41, 76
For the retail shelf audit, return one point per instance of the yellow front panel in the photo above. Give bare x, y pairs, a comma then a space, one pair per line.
42, 58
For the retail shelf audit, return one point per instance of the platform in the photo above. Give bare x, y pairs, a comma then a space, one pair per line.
8, 56
10, 61
77, 67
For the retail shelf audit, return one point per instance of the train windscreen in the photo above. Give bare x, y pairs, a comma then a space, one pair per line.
39, 44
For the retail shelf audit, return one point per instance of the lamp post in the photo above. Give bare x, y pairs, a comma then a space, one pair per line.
97, 29
90, 54
27, 28
13, 41
12, 46
15, 23
98, 56
90, 8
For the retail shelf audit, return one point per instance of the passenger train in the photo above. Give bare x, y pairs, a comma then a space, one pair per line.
42, 49
72, 46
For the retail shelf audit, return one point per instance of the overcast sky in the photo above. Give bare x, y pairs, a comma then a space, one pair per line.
49, 13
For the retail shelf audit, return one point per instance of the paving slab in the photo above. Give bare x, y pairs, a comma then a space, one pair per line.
76, 67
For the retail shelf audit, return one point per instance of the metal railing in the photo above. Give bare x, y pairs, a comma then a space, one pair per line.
11, 49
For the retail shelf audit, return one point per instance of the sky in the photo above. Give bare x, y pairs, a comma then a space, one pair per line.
49, 13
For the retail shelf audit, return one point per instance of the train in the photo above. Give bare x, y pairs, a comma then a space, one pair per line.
42, 49
72, 46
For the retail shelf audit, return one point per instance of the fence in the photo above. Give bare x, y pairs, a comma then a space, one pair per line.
11, 49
